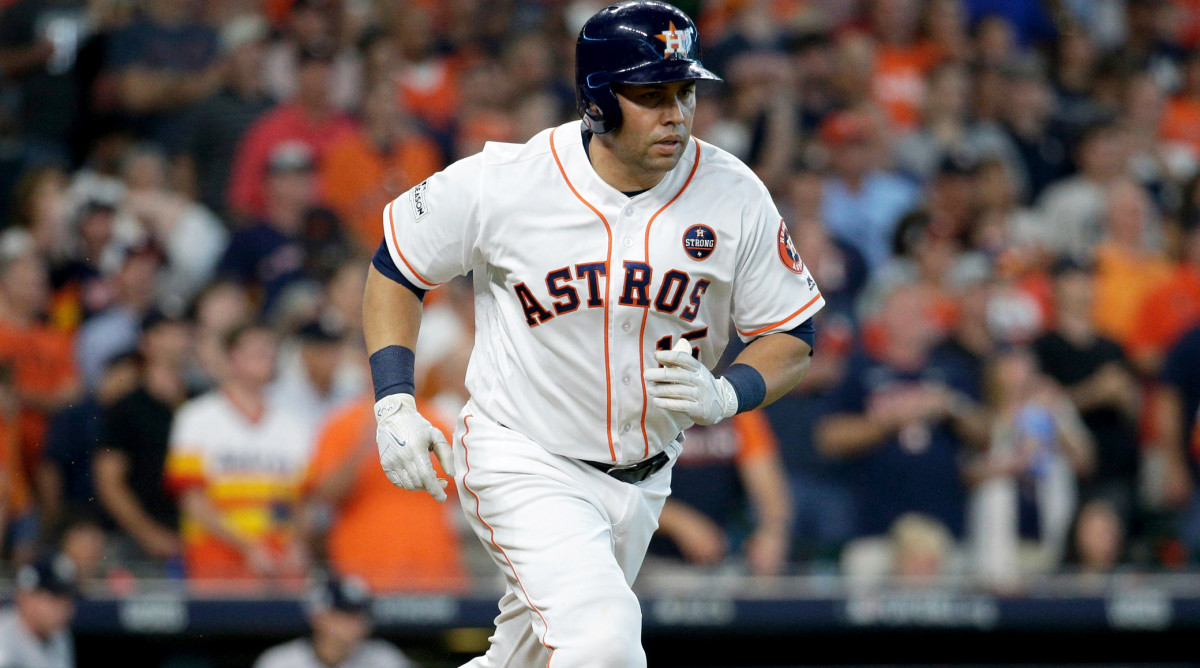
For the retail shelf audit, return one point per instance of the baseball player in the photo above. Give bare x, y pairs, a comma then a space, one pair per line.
608, 259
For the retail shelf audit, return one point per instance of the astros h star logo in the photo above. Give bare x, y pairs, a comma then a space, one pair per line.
678, 42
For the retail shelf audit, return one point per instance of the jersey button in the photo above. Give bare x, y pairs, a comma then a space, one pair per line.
625, 327
628, 241
626, 428
625, 380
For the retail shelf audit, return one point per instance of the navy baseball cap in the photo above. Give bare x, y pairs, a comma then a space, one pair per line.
55, 574
344, 593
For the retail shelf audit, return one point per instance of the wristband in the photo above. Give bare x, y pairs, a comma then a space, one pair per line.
392, 371
748, 385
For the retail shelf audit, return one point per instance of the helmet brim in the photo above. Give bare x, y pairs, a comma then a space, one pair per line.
665, 71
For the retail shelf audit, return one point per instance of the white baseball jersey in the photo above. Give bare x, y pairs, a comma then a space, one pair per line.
20, 648
577, 284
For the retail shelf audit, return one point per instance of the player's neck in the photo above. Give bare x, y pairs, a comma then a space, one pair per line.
618, 173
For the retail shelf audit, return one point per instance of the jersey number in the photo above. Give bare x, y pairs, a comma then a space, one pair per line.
667, 342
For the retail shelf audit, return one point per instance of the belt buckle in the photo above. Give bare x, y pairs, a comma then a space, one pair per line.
619, 468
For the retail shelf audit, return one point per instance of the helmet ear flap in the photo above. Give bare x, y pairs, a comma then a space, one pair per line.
600, 109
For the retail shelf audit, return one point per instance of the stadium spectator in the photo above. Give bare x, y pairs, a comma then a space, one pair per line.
945, 129
837, 265
36, 631
190, 236
236, 462
345, 486
901, 61
369, 167
862, 203
82, 281
115, 330
312, 379
309, 119
81, 538
41, 41
222, 306
1181, 117
729, 495
1099, 540
339, 612
1074, 206
65, 481
269, 255
1026, 117
1096, 375
40, 357
902, 419
1128, 265
1167, 311
130, 462
921, 548
41, 212
164, 61
313, 23
216, 124
1178, 412
18, 514
1023, 486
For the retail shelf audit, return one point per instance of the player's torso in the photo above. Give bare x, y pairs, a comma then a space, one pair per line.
581, 284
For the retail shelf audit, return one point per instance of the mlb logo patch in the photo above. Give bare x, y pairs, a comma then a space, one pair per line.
699, 242
787, 252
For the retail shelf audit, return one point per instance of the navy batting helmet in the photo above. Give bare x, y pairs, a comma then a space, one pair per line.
636, 42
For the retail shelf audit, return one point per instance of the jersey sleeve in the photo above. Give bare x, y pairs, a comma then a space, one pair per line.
432, 230
773, 290
185, 467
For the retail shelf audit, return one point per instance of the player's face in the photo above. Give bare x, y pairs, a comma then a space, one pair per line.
656, 123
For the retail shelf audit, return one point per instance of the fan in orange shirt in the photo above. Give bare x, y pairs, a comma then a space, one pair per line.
41, 358
366, 168
1167, 312
344, 476
1127, 269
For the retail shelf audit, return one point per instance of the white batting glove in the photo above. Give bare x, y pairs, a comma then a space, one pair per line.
685, 386
405, 439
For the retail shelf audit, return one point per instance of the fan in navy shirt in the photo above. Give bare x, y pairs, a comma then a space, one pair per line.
900, 421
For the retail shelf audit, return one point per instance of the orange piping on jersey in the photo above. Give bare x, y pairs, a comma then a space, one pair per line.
396, 243
467, 460
612, 451
646, 313
760, 330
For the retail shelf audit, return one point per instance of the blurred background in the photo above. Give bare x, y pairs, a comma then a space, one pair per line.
997, 441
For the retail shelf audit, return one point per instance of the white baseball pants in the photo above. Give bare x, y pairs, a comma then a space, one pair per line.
569, 540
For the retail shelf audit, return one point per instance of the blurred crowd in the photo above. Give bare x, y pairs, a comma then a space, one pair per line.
1000, 200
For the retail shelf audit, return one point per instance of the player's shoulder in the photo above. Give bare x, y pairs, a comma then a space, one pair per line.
207, 406
292, 654
499, 154
379, 653
735, 176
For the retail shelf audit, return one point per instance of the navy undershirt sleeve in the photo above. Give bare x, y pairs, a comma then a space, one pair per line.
383, 264
806, 332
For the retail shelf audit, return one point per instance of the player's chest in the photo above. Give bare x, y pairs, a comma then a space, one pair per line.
645, 254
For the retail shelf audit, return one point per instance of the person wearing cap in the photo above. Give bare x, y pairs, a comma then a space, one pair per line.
309, 118
269, 255
313, 378
35, 630
339, 610
862, 202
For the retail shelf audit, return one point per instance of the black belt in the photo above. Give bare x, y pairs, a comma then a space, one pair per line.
635, 472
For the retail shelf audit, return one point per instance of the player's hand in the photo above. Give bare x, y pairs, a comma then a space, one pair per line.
685, 386
405, 439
